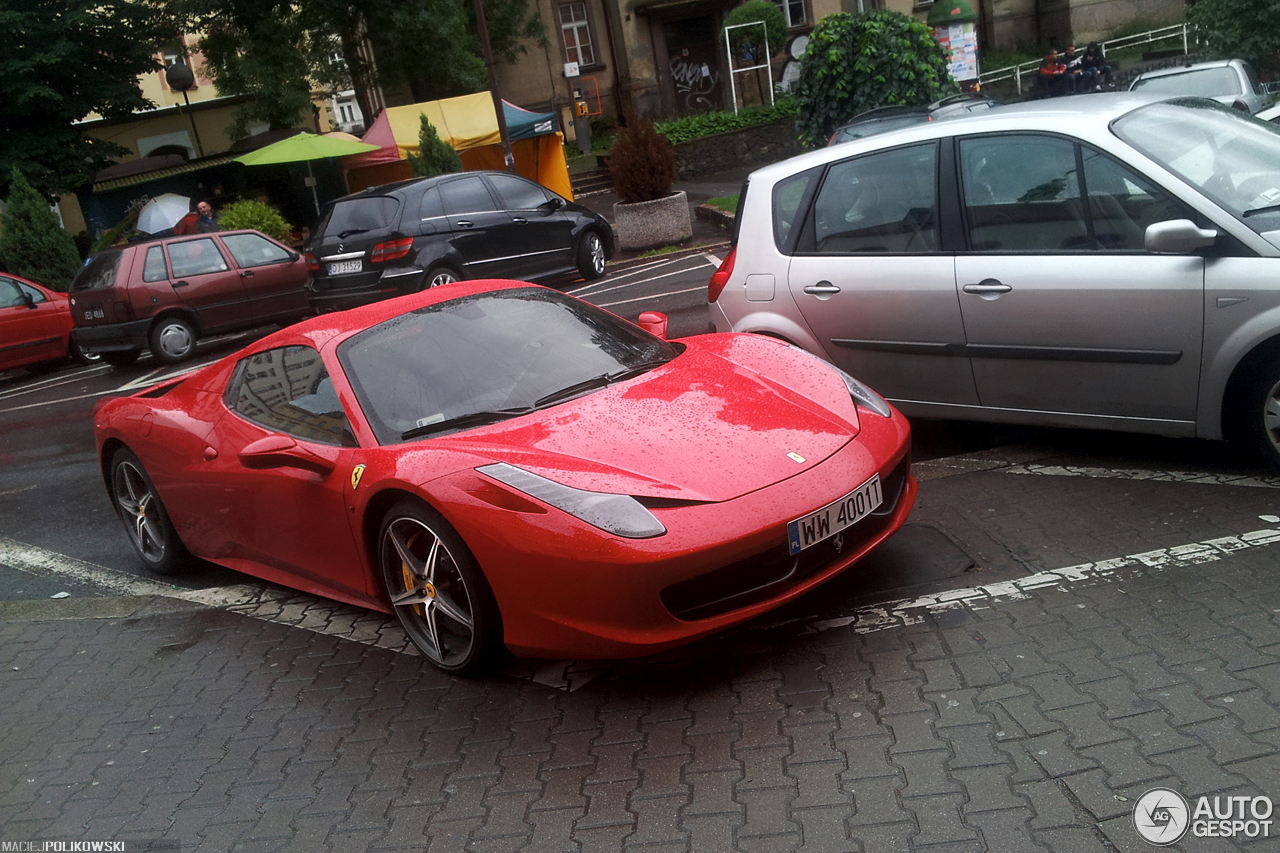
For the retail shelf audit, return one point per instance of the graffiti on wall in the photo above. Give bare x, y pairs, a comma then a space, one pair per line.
695, 84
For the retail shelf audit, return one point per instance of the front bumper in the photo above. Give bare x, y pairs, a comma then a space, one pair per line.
112, 337
394, 281
569, 591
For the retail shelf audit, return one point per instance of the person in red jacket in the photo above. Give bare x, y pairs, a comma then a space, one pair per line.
1053, 75
187, 224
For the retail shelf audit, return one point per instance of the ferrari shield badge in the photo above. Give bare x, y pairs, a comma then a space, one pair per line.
356, 473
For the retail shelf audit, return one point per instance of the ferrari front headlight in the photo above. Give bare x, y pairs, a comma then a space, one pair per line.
621, 515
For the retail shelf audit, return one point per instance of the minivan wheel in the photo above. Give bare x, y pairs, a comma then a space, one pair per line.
1262, 412
437, 276
172, 340
121, 358
590, 256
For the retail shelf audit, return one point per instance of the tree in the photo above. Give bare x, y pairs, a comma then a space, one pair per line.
435, 156
63, 60
751, 40
858, 62
1240, 29
33, 244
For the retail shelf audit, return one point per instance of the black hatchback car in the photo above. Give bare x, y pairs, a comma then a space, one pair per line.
402, 237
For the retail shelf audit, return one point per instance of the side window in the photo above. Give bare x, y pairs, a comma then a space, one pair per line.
289, 390
250, 250
468, 195
36, 296
516, 193
10, 295
430, 207
195, 257
884, 202
1122, 204
787, 196
1022, 194
154, 269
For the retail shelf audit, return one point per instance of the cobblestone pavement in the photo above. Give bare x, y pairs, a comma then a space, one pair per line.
1122, 633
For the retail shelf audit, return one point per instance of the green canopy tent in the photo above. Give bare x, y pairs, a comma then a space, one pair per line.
305, 147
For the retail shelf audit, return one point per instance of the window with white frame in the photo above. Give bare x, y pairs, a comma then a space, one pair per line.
794, 10
575, 33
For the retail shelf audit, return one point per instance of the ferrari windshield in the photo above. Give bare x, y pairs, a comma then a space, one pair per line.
480, 359
1232, 158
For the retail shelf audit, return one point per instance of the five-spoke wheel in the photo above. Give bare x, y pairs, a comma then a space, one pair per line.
437, 276
591, 256
437, 590
144, 516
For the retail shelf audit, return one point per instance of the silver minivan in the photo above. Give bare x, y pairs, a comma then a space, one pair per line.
1103, 260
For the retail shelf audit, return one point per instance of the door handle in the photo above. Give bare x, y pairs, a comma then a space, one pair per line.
178, 284
519, 220
988, 285
822, 288
463, 223
246, 273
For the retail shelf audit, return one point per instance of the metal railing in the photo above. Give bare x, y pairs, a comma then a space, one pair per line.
1032, 68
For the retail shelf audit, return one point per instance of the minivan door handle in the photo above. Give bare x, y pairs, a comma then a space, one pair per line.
988, 285
463, 223
178, 284
822, 288
519, 220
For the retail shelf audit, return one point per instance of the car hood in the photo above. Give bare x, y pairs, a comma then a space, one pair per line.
725, 418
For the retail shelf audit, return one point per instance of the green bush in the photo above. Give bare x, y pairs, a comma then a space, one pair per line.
641, 162
705, 124
33, 244
255, 215
435, 156
751, 40
859, 62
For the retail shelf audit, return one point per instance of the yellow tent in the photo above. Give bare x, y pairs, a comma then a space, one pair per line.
470, 124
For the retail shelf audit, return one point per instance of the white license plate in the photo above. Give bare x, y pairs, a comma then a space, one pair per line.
344, 267
811, 529
95, 314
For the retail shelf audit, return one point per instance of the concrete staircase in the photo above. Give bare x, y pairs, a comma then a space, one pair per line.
592, 182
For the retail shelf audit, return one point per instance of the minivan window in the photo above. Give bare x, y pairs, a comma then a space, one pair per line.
250, 250
882, 202
468, 195
155, 270
518, 194
358, 215
1022, 194
430, 207
787, 195
98, 272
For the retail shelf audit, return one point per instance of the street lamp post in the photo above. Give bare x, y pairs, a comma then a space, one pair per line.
181, 78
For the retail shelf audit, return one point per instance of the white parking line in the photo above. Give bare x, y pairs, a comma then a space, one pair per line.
578, 291
642, 281
700, 288
52, 382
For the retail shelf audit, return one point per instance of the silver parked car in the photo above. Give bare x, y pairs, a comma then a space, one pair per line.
1104, 260
1229, 81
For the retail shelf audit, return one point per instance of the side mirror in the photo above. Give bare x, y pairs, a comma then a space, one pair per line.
1177, 237
28, 299
655, 323
551, 205
280, 451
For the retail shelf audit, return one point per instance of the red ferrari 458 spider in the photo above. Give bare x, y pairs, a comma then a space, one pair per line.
500, 464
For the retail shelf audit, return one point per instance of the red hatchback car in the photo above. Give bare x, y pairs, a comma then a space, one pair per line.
500, 464
35, 325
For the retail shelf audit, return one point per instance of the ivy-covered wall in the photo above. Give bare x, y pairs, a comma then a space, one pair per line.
751, 146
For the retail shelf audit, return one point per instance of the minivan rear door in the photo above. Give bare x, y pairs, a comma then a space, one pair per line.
481, 231
204, 281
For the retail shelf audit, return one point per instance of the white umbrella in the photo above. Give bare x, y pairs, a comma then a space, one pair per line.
163, 212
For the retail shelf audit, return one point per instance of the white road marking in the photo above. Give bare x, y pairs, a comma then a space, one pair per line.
713, 259
644, 281
700, 288
1142, 474
578, 291
146, 380
51, 382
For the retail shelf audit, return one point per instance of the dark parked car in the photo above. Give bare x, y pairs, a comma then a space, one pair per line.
166, 294
885, 119
403, 237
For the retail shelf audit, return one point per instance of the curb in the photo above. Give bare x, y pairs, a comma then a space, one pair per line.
714, 215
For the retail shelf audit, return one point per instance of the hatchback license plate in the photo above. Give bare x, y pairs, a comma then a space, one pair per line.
344, 267
813, 528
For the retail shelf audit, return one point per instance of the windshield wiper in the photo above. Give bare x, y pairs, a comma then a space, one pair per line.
1271, 208
461, 421
601, 381
345, 234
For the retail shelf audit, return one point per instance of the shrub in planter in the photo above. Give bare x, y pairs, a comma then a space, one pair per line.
258, 216
33, 244
643, 165
858, 62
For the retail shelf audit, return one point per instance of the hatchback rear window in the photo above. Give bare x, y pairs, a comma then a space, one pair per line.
98, 272
1205, 82
360, 215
